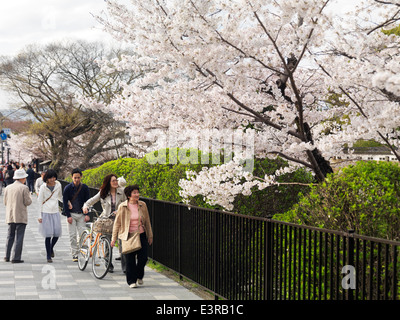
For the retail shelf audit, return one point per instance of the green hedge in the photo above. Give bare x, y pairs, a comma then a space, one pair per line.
364, 197
274, 199
159, 172
121, 167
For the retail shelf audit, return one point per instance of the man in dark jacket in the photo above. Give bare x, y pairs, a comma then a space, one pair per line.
75, 195
9, 175
30, 179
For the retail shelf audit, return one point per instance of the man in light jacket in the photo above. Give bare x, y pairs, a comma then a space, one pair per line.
16, 199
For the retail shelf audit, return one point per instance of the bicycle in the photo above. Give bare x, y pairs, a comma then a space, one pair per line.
96, 245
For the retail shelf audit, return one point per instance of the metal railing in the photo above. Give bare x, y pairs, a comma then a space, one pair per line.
239, 257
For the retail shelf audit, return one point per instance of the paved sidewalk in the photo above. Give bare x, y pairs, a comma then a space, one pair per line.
62, 279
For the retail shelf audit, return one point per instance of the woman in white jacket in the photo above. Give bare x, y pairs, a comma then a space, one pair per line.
50, 193
111, 195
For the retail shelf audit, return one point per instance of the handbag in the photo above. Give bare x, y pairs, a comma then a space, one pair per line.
132, 244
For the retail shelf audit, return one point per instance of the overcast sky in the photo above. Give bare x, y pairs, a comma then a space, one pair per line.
24, 22
40, 21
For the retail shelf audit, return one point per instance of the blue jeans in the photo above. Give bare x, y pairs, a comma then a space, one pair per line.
31, 185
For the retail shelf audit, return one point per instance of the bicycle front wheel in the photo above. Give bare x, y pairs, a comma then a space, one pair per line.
84, 250
102, 256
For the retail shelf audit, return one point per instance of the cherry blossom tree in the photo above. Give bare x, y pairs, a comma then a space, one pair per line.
363, 64
44, 82
266, 69
24, 147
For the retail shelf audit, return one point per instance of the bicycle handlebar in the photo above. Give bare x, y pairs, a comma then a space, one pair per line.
92, 209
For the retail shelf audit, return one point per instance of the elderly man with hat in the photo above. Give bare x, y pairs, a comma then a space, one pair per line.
16, 199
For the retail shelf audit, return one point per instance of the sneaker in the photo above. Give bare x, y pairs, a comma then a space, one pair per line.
140, 281
133, 285
75, 259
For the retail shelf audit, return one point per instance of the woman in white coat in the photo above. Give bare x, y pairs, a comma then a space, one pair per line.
110, 196
50, 193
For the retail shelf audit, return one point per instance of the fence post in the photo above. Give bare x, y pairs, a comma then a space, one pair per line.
215, 257
268, 259
179, 242
394, 281
150, 208
350, 292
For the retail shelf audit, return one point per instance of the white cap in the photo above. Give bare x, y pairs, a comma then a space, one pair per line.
20, 174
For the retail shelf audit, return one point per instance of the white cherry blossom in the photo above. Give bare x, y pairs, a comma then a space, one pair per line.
272, 66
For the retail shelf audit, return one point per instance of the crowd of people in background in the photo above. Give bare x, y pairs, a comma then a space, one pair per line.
7, 175
122, 204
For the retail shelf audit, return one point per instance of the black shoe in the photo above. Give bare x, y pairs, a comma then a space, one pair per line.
6, 259
119, 258
17, 261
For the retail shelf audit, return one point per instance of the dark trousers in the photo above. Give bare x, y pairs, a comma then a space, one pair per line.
123, 260
15, 237
135, 269
50, 243
31, 185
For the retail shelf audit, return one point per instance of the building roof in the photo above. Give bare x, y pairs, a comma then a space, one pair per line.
372, 150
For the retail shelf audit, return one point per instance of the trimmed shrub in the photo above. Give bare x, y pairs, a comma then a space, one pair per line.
274, 199
121, 167
364, 197
159, 172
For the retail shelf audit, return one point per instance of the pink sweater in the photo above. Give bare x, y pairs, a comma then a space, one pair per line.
133, 208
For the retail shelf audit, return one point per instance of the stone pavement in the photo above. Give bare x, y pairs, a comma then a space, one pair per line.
36, 279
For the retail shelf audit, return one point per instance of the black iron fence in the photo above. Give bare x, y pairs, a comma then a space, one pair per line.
239, 257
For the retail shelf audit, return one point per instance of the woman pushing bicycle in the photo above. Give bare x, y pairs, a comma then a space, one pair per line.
110, 197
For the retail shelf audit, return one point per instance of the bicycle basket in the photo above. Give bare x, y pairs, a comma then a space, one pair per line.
103, 225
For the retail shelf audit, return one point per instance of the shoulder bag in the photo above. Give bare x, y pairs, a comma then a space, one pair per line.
133, 242
76, 193
73, 199
49, 197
